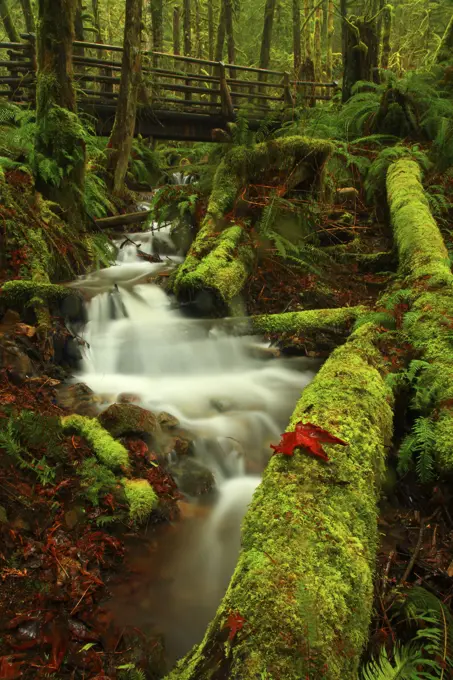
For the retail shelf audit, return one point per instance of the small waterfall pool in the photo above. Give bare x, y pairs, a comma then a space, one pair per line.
232, 398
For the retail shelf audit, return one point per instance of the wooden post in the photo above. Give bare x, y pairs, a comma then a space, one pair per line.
287, 94
225, 96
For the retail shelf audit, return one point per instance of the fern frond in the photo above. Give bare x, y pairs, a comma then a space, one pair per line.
404, 665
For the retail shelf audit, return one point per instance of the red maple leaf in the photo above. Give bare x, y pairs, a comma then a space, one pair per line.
309, 437
235, 623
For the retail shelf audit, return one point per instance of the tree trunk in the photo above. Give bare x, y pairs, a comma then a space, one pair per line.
318, 46
126, 111
361, 55
308, 34
157, 29
229, 27
60, 138
176, 30
11, 31
266, 38
187, 27
445, 50
221, 32
210, 31
386, 35
198, 42
330, 32
425, 270
300, 600
29, 17
296, 37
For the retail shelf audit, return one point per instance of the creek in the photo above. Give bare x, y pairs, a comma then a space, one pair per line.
230, 394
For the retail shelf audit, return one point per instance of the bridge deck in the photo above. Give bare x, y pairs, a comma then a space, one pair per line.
182, 98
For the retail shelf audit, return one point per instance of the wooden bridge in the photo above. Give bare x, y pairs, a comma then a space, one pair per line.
182, 98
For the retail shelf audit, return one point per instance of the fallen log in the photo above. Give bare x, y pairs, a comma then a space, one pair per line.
222, 255
123, 220
427, 274
323, 329
299, 602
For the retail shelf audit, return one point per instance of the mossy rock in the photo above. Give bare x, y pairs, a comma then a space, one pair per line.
141, 498
66, 302
192, 477
109, 452
123, 419
14, 358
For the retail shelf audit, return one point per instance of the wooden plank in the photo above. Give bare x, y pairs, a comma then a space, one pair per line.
254, 69
303, 83
187, 88
97, 46
14, 46
120, 220
180, 57
192, 102
241, 83
5, 80
16, 64
266, 97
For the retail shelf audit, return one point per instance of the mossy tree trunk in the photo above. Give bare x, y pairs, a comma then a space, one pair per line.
297, 52
266, 38
126, 111
221, 32
386, 36
60, 138
426, 272
229, 27
29, 16
187, 27
8, 23
318, 46
219, 261
303, 586
361, 53
176, 30
445, 50
330, 33
210, 31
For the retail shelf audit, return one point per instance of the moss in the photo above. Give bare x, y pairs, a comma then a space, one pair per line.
304, 579
308, 321
122, 419
220, 259
421, 249
141, 497
110, 452
21, 293
429, 321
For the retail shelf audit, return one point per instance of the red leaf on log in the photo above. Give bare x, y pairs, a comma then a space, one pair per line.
309, 437
235, 623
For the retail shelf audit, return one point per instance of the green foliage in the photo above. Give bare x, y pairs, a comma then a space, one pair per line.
96, 196
405, 665
109, 451
129, 671
419, 445
383, 319
141, 497
27, 437
96, 480
144, 167
377, 173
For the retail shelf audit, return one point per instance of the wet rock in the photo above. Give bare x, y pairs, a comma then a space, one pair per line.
72, 307
124, 419
192, 477
128, 398
167, 421
9, 320
79, 399
14, 358
347, 196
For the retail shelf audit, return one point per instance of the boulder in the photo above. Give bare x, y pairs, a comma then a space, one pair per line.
192, 477
126, 418
13, 358
78, 398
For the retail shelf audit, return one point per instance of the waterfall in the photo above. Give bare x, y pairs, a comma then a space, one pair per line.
233, 403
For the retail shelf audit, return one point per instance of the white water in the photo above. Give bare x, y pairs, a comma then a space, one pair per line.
233, 403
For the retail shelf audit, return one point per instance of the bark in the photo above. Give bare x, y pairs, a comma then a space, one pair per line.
59, 137
445, 50
308, 35
229, 28
219, 261
157, 27
266, 39
176, 30
29, 17
318, 46
11, 30
303, 584
297, 54
361, 53
124, 125
79, 31
386, 35
425, 270
187, 27
210, 31
221, 32
330, 32
198, 43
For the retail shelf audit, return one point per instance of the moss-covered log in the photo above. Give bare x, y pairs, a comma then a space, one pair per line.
303, 586
320, 329
221, 257
426, 269
445, 50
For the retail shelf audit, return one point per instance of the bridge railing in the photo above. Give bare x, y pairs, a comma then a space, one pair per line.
170, 81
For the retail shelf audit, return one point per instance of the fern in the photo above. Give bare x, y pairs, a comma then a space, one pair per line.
96, 480
377, 173
404, 666
419, 444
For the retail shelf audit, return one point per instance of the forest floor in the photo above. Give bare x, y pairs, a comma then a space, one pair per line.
59, 559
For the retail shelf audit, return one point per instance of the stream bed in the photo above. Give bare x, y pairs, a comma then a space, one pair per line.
232, 396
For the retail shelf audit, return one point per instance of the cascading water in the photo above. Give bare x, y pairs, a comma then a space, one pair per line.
232, 403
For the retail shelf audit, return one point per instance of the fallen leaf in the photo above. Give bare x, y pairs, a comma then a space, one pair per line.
309, 437
9, 670
450, 570
235, 623
23, 329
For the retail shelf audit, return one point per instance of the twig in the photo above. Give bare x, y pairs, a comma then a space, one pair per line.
386, 572
72, 612
416, 552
